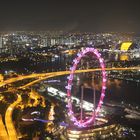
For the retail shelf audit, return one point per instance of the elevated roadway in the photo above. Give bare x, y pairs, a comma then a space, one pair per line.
9, 122
42, 76
8, 117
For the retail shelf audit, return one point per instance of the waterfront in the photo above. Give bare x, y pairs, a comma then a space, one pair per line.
120, 110
40, 79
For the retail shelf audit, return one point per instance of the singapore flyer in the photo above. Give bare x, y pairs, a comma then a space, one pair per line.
71, 114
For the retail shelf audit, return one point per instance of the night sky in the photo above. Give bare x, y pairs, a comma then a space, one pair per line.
70, 15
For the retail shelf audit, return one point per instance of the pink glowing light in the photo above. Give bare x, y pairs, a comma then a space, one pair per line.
68, 87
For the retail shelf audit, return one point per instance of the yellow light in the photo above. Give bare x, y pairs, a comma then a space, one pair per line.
125, 46
124, 57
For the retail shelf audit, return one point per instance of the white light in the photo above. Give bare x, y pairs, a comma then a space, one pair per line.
104, 87
79, 55
103, 95
35, 112
101, 102
104, 80
71, 68
75, 61
101, 60
70, 77
68, 87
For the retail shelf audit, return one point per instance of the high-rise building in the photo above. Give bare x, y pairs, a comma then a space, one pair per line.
44, 42
53, 41
1, 42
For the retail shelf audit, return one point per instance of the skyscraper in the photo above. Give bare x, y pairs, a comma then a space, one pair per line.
1, 44
0, 41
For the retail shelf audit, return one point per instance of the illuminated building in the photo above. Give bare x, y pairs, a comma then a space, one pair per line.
0, 42
102, 132
124, 57
128, 51
125, 46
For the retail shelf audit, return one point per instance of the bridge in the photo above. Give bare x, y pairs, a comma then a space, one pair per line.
10, 132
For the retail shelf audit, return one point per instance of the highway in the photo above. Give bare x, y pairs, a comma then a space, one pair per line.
42, 76
3, 132
8, 119
54, 74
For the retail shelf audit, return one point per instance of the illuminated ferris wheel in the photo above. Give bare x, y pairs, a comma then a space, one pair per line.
76, 121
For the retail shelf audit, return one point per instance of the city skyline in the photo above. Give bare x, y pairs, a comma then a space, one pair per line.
69, 70
69, 85
91, 16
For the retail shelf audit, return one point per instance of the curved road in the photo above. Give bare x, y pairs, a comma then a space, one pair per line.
54, 74
8, 117
42, 76
3, 132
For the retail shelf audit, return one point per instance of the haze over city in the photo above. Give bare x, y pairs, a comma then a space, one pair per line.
70, 70
90, 15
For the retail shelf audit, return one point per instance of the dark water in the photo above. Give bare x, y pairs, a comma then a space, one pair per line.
117, 90
123, 91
